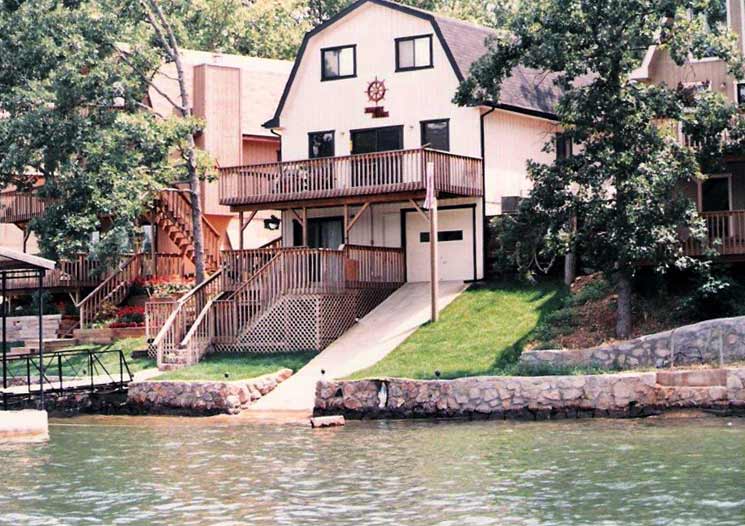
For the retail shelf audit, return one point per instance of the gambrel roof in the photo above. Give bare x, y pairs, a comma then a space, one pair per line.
526, 90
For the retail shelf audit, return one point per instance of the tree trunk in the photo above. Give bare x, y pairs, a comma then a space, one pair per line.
196, 211
165, 33
623, 315
570, 268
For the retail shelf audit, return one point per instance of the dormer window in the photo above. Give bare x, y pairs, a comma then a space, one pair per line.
414, 53
339, 62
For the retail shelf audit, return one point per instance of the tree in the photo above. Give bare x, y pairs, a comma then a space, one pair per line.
623, 185
165, 37
72, 114
476, 11
260, 28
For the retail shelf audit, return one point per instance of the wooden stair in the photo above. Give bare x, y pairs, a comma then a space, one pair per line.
172, 214
113, 289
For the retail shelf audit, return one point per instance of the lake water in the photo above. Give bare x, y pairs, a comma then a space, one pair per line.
120, 470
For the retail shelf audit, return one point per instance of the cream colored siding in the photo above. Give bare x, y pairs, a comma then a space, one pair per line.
511, 140
413, 96
381, 225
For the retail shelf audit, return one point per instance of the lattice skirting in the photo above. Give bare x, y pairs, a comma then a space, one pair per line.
305, 322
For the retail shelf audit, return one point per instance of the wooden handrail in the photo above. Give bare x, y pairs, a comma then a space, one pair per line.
725, 234
177, 204
122, 278
187, 309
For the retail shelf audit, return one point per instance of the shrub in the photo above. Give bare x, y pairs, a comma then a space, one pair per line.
131, 314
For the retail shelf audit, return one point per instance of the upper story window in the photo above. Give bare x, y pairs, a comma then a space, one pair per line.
741, 93
339, 62
321, 144
413, 53
436, 134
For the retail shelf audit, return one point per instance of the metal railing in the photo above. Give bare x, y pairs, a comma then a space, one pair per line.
26, 376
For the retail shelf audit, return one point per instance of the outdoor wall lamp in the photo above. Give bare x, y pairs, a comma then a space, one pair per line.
272, 223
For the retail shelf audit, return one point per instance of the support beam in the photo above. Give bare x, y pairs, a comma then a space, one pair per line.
40, 292
305, 227
346, 224
240, 230
357, 216
419, 210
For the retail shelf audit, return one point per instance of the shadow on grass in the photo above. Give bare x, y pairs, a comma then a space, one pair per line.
552, 294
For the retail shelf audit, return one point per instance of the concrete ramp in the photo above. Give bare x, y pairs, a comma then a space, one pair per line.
365, 344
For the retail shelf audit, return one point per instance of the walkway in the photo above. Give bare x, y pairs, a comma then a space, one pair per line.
365, 344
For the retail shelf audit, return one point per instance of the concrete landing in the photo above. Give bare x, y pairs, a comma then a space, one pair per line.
365, 344
24, 426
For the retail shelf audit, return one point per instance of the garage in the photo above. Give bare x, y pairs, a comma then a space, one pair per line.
457, 248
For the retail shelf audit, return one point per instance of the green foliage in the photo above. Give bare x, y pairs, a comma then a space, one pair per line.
623, 186
482, 332
72, 113
517, 247
716, 294
240, 366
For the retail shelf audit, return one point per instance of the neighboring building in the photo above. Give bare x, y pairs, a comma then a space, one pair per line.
721, 197
234, 95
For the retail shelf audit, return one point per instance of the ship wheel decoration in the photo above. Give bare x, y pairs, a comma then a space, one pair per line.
376, 91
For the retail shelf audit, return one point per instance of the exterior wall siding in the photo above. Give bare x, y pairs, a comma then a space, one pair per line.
412, 97
510, 141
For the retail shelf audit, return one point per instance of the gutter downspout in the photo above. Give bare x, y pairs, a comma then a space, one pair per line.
483, 186
279, 136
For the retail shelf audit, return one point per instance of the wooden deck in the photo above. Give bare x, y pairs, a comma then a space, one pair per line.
19, 207
276, 299
402, 172
726, 235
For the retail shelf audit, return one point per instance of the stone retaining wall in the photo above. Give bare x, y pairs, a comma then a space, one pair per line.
708, 342
611, 395
202, 397
22, 328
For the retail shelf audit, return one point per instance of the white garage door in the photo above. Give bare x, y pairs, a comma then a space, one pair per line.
455, 246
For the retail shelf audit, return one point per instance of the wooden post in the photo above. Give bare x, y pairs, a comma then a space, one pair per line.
305, 227
240, 230
346, 224
434, 267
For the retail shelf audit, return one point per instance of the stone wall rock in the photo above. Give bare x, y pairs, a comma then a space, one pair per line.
708, 342
201, 397
608, 395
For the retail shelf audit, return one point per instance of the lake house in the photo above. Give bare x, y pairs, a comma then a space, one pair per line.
365, 114
376, 160
720, 198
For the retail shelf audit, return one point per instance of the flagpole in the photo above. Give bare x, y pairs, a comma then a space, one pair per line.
434, 276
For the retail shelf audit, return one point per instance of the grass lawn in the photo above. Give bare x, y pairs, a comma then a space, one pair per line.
77, 364
481, 333
239, 366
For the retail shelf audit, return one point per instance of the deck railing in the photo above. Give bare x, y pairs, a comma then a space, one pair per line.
114, 288
79, 272
725, 234
365, 174
259, 277
19, 207
182, 317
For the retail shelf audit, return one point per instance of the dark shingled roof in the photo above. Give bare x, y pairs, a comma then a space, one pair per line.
526, 90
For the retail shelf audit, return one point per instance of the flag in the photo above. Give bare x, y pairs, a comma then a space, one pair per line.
429, 200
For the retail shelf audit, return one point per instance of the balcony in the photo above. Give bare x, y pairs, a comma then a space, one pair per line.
401, 172
19, 207
726, 235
